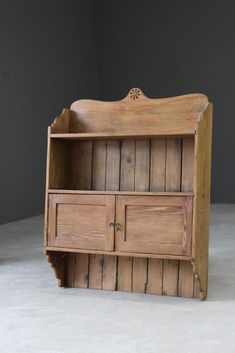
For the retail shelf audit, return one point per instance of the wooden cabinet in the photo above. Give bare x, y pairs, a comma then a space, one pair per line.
128, 194
138, 224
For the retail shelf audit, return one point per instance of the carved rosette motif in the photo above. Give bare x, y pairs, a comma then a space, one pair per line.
135, 93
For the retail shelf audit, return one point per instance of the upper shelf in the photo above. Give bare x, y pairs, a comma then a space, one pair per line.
103, 135
136, 115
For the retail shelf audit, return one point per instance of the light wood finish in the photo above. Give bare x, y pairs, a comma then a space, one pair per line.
136, 149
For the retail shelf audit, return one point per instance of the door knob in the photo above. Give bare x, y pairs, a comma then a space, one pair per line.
118, 227
111, 225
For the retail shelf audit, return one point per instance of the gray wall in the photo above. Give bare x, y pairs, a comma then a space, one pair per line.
169, 48
47, 60
53, 52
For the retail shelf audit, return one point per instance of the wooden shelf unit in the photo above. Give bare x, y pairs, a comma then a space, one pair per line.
128, 193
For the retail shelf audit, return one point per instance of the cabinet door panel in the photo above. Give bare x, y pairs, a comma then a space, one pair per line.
154, 224
81, 221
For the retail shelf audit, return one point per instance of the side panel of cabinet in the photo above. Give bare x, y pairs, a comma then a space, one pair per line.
154, 224
81, 221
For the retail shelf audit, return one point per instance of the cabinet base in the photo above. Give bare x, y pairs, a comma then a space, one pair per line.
128, 274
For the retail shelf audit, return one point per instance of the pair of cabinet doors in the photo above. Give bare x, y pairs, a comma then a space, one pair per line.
121, 223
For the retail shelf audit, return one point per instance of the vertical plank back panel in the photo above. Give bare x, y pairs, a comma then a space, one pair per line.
157, 183
98, 183
81, 166
142, 155
127, 182
112, 183
127, 177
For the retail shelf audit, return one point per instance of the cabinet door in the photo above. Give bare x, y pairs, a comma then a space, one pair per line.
81, 221
154, 224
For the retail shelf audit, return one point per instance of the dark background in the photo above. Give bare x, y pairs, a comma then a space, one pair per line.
54, 52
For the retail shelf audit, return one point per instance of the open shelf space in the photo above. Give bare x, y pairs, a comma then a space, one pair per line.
123, 165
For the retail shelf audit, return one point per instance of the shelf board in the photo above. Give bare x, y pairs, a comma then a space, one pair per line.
130, 193
113, 135
118, 253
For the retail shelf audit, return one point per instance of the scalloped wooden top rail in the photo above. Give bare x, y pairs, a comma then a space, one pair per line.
136, 114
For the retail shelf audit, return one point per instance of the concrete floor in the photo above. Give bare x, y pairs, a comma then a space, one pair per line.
38, 317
